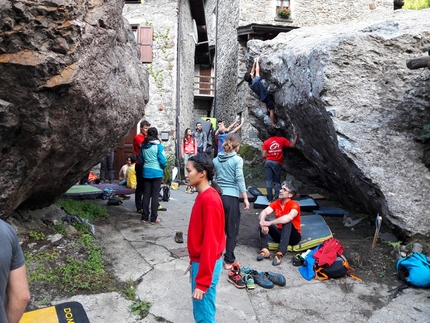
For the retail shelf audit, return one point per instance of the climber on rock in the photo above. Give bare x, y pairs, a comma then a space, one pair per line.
253, 79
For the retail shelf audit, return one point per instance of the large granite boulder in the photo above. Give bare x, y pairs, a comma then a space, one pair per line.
359, 112
71, 87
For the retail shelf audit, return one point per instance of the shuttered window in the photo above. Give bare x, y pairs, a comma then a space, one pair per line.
144, 39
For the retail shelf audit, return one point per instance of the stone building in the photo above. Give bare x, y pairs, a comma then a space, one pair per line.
196, 54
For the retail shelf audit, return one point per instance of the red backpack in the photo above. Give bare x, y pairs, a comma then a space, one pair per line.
329, 251
330, 262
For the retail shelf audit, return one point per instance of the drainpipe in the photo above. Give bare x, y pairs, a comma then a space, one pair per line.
216, 61
178, 87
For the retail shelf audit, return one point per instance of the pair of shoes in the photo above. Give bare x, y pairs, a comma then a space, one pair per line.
235, 277
278, 259
249, 281
262, 279
178, 237
264, 253
144, 219
275, 278
139, 211
189, 190
160, 208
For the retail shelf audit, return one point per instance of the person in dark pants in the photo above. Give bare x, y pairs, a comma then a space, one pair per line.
201, 138
273, 151
229, 176
107, 161
137, 142
153, 160
285, 228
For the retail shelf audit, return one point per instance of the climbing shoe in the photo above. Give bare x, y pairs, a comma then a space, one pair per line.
264, 253
275, 278
179, 237
278, 259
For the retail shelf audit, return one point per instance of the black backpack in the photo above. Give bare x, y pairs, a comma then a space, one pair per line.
164, 193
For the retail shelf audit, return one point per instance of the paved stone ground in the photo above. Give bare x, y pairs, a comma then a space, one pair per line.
148, 254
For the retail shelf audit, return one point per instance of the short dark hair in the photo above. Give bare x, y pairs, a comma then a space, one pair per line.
272, 131
198, 123
145, 123
132, 158
248, 77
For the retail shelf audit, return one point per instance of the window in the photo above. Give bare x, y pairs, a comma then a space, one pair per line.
144, 40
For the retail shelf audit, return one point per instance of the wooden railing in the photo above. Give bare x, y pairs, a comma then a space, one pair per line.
204, 85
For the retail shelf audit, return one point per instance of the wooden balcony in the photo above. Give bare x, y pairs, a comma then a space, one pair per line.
204, 86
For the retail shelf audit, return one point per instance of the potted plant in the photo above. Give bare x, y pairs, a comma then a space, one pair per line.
284, 13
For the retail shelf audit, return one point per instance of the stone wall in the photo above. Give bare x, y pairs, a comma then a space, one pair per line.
227, 62
311, 12
187, 51
161, 108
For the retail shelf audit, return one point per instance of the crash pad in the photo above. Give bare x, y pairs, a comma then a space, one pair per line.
330, 211
84, 192
314, 231
255, 191
60, 313
94, 191
306, 203
117, 189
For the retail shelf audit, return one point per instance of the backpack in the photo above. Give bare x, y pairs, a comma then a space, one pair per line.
164, 193
114, 201
108, 193
329, 251
413, 270
340, 268
330, 261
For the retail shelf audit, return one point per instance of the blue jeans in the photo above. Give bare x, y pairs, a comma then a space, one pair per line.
204, 310
273, 176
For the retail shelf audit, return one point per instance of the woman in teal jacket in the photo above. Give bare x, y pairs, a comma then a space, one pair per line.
229, 176
153, 160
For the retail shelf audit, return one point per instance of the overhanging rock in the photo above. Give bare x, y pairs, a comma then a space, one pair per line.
358, 109
72, 86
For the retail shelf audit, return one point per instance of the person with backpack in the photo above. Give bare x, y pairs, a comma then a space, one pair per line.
201, 138
137, 142
188, 149
285, 228
153, 160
